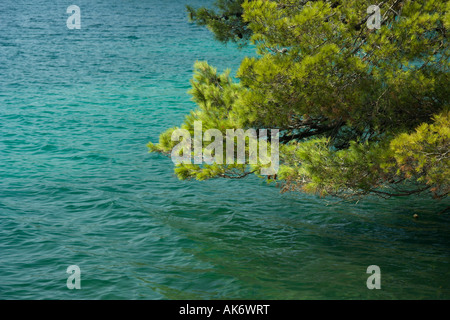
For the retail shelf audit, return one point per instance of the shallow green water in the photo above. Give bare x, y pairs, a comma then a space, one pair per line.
77, 185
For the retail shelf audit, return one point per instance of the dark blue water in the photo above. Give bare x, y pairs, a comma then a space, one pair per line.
78, 186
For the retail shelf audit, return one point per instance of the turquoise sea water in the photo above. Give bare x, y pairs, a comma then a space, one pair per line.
77, 185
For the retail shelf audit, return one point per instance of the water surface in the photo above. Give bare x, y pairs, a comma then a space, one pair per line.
77, 185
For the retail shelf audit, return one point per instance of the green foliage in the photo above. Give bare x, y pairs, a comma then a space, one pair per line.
360, 111
424, 154
215, 96
400, 165
226, 23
